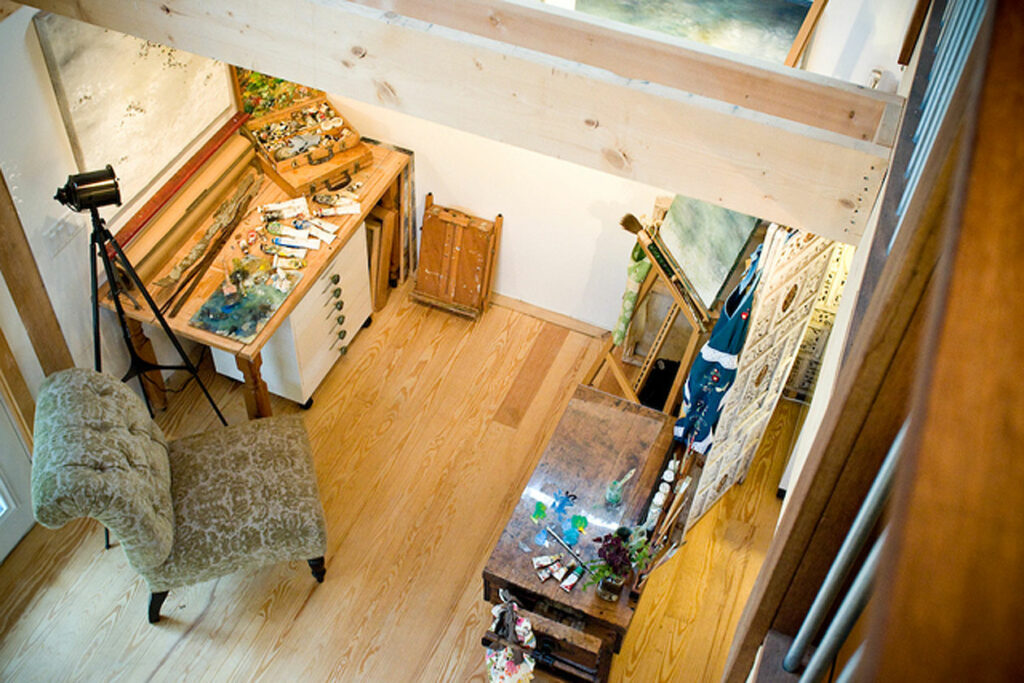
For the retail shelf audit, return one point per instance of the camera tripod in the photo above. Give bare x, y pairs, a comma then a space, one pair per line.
102, 243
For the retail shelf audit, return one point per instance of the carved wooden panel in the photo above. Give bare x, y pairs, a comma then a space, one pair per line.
793, 311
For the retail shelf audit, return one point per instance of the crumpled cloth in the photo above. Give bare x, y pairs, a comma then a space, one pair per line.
636, 273
507, 664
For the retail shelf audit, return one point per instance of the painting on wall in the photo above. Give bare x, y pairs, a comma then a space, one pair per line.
705, 240
128, 102
756, 28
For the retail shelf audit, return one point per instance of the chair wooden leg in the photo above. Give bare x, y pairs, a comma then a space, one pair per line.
316, 565
156, 601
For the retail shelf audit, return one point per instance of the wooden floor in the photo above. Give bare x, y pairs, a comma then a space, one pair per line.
423, 437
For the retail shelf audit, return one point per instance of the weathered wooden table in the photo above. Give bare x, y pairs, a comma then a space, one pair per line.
599, 438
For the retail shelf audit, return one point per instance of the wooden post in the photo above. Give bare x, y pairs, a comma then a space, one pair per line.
16, 393
257, 396
28, 291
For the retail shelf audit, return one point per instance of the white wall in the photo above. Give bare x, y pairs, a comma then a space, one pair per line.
36, 158
853, 37
562, 248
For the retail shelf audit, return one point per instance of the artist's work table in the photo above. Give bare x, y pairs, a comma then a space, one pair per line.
598, 439
321, 279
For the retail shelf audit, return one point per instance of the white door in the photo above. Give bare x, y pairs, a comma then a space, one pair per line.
15, 485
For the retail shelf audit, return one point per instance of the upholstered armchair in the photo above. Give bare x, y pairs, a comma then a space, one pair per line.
184, 511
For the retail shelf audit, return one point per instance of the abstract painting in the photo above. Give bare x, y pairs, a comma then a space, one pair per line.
705, 240
128, 102
756, 28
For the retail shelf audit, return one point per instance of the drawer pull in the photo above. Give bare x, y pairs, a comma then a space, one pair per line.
335, 279
342, 334
343, 350
338, 305
336, 292
341, 319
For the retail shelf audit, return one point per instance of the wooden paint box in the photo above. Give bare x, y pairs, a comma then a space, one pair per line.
282, 136
458, 257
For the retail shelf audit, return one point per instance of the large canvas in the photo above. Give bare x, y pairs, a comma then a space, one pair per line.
705, 241
129, 102
757, 28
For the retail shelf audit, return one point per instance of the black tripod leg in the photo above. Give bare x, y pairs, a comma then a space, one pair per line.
166, 328
97, 360
101, 239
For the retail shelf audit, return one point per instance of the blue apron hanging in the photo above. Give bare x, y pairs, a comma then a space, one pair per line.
714, 370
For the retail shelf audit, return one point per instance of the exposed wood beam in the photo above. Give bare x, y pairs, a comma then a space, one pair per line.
16, 393
949, 604
27, 290
747, 161
644, 55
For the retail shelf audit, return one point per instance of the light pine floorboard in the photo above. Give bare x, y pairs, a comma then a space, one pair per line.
423, 437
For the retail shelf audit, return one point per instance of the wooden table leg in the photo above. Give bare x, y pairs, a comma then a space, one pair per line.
153, 381
257, 398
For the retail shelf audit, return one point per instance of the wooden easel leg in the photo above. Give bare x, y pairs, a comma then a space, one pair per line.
656, 346
153, 381
692, 345
602, 356
257, 397
615, 365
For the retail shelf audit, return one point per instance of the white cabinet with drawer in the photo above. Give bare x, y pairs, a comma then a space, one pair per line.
319, 329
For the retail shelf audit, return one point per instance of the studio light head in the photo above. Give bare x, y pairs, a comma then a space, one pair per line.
90, 190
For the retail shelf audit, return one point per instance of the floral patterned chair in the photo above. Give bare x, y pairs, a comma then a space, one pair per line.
184, 511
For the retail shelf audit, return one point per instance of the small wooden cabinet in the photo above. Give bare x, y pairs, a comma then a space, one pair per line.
317, 333
458, 256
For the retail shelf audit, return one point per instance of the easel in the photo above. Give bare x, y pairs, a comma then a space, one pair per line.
684, 300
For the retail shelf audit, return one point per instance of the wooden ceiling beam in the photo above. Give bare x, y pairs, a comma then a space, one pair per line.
683, 142
641, 54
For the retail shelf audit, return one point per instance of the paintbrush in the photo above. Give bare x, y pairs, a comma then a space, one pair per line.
565, 545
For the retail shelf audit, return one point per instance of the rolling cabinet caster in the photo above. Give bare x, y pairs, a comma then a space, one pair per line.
308, 404
368, 322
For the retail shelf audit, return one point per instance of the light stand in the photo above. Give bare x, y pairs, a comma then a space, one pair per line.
90, 191
102, 244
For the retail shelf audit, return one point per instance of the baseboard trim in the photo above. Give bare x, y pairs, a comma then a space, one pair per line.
548, 316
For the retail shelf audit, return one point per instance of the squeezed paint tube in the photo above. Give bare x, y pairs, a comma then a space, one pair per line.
545, 560
288, 262
292, 207
343, 210
324, 225
297, 242
322, 235
292, 252
546, 573
571, 580
281, 230
562, 570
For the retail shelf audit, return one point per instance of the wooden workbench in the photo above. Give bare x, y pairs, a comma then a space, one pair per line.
382, 180
599, 438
